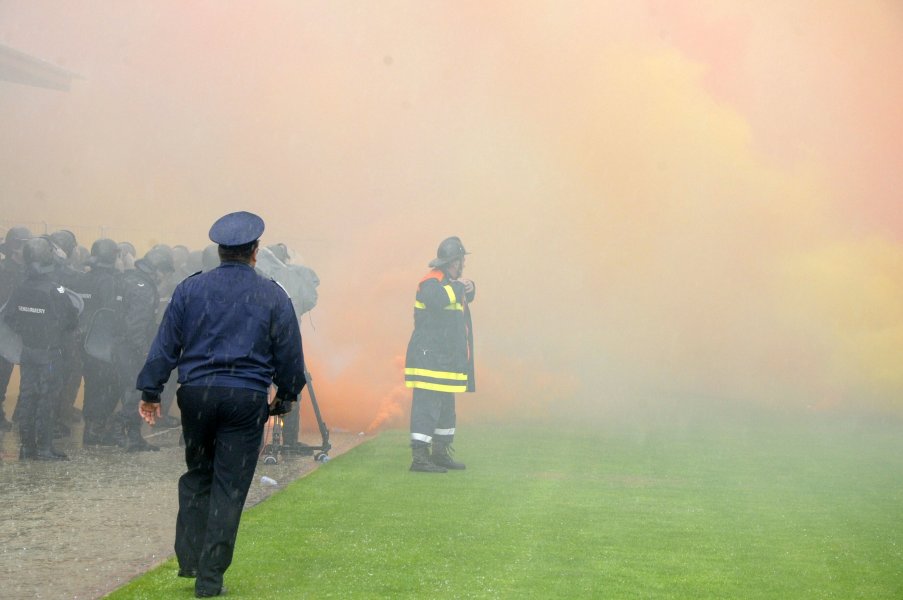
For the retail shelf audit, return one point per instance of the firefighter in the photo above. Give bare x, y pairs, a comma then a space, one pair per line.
439, 361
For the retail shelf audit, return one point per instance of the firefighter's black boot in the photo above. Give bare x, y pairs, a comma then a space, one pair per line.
442, 456
422, 463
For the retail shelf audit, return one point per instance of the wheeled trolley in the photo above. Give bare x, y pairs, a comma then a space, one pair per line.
286, 429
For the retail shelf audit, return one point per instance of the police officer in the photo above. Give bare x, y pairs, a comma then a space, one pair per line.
439, 360
102, 386
133, 334
66, 274
127, 254
232, 333
41, 312
12, 274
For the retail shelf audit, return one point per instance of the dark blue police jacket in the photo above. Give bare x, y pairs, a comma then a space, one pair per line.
227, 327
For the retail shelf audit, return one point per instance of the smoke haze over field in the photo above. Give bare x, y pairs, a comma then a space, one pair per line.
663, 200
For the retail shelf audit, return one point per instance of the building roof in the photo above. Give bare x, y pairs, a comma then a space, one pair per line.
18, 67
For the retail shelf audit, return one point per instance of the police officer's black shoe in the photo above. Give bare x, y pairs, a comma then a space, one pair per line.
50, 454
27, 452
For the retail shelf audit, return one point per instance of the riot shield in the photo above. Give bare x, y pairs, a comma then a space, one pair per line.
299, 282
10, 342
99, 340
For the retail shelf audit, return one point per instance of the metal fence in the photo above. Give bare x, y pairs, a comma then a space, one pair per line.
141, 238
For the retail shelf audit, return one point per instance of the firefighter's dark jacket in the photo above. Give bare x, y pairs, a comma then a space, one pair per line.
440, 353
227, 327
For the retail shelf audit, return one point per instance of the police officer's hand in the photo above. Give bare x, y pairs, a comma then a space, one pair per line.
279, 407
149, 411
468, 285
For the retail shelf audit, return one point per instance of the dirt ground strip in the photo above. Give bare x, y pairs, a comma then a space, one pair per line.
82, 528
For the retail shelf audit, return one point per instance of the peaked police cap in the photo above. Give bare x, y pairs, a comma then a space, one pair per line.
236, 229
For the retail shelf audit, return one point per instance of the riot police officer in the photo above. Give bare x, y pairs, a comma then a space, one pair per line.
102, 386
232, 333
12, 274
41, 312
67, 275
134, 331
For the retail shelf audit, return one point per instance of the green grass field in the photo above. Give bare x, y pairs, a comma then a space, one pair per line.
734, 509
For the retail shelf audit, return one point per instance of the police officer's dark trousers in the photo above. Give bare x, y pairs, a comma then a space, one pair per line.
6, 370
71, 378
223, 429
432, 416
102, 389
39, 390
128, 362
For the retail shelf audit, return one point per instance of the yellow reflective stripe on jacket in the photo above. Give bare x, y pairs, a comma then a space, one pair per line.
436, 387
453, 303
436, 374
438, 381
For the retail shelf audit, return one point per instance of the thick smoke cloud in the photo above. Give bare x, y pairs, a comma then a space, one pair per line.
665, 201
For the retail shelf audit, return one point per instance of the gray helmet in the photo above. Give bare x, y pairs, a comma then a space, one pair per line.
104, 252
280, 251
157, 259
15, 237
210, 258
38, 253
180, 254
127, 248
449, 250
65, 239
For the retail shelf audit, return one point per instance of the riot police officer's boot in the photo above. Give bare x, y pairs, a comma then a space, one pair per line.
27, 452
4, 424
135, 441
118, 432
61, 430
422, 462
50, 453
97, 434
441, 456
44, 443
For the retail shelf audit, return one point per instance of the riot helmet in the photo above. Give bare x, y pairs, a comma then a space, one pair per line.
15, 237
127, 248
38, 254
104, 252
65, 240
210, 258
157, 259
280, 251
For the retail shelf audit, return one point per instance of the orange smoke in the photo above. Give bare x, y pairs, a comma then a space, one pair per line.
663, 199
